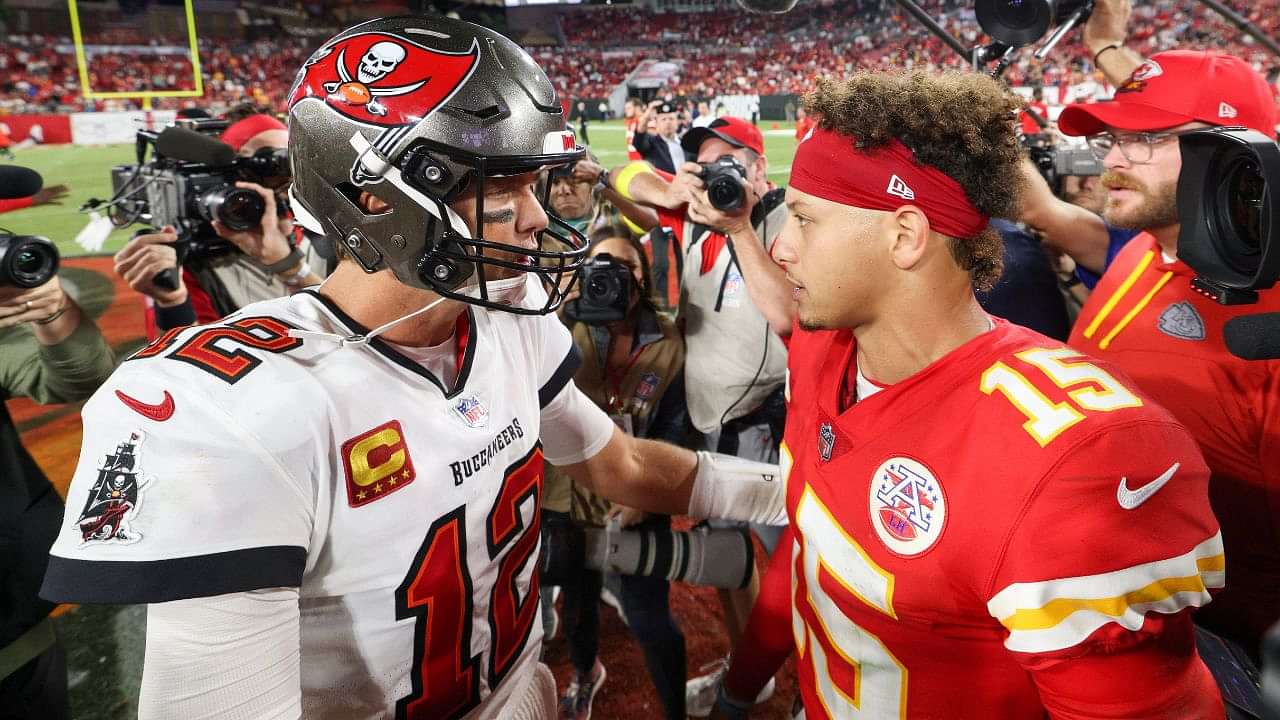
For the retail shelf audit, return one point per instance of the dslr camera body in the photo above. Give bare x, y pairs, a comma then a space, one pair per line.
26, 261
726, 182
190, 182
605, 285
1056, 160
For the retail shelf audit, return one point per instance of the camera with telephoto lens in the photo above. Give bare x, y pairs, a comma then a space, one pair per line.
189, 185
1056, 160
1229, 209
1022, 22
26, 261
605, 291
726, 182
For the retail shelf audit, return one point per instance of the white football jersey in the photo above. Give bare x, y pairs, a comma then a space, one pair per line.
233, 457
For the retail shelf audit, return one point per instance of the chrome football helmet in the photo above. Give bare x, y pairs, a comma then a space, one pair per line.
418, 111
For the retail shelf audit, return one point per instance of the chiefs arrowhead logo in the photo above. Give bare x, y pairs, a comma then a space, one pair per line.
383, 80
1145, 72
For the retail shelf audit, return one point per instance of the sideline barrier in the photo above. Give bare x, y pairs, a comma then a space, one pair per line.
56, 128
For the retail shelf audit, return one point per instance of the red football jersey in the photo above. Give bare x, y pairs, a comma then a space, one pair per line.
1145, 317
1012, 531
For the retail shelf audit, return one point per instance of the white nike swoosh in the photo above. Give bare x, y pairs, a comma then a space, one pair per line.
1130, 499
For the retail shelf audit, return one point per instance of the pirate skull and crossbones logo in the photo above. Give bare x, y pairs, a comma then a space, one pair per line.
379, 61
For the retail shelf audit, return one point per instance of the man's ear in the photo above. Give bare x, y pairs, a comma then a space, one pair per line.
372, 204
910, 228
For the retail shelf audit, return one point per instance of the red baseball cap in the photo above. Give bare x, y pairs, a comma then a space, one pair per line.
1176, 87
733, 130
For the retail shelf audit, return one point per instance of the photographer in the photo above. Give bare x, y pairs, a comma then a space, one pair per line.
50, 352
632, 367
582, 197
266, 261
735, 303
1145, 317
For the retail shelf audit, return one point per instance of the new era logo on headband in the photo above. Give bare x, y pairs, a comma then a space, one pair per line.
1226, 111
900, 189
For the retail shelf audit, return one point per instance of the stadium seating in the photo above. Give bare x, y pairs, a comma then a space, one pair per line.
720, 52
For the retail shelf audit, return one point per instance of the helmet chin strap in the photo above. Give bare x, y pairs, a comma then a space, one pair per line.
362, 340
509, 290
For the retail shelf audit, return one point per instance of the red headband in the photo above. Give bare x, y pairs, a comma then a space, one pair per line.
828, 165
240, 132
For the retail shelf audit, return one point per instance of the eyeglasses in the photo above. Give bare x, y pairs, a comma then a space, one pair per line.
1137, 148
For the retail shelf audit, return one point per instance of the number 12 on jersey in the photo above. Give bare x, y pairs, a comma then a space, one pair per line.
438, 592
1089, 388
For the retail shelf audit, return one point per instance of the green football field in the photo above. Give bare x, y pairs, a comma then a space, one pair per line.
87, 171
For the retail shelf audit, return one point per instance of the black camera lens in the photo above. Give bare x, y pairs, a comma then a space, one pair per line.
237, 208
1240, 214
1022, 22
601, 289
27, 261
726, 194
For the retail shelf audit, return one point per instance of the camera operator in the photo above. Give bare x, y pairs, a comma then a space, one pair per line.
268, 261
1145, 317
735, 303
50, 352
632, 368
661, 149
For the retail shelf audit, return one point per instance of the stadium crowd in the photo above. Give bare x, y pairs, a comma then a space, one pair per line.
601, 46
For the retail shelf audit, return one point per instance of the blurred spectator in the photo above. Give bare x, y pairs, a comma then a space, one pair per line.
662, 148
1035, 105
50, 352
804, 123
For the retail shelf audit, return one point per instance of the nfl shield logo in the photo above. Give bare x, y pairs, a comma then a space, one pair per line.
645, 387
826, 441
472, 412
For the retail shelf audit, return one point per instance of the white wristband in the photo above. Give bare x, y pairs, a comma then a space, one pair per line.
731, 488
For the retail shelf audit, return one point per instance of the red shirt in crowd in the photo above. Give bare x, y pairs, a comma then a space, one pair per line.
1029, 126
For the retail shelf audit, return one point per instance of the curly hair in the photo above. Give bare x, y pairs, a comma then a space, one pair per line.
961, 123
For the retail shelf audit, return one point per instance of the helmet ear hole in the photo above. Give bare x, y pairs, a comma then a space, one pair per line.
367, 202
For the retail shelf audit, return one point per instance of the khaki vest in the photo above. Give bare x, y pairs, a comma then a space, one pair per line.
726, 336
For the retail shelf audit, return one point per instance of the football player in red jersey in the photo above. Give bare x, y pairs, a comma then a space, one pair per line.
987, 523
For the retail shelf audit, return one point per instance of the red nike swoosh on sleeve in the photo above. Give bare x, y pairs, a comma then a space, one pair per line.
158, 412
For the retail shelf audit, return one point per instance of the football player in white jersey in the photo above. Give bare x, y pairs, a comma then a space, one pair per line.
330, 501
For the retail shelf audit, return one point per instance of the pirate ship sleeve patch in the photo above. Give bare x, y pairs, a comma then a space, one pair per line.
173, 498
